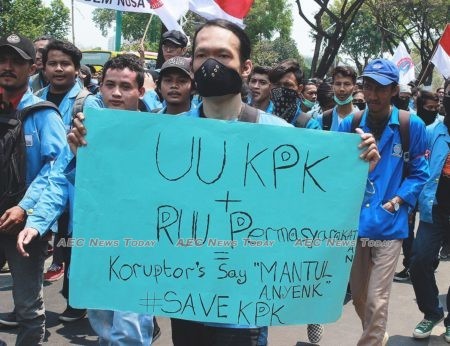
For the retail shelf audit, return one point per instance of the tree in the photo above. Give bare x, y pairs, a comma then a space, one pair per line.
57, 20
32, 19
362, 42
333, 34
269, 53
133, 26
417, 23
267, 19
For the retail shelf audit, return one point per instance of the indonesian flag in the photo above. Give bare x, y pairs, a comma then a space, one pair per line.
232, 10
441, 57
169, 11
404, 64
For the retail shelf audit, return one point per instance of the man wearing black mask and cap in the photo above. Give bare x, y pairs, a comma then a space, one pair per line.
434, 208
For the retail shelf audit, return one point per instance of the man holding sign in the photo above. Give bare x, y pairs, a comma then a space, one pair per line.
221, 52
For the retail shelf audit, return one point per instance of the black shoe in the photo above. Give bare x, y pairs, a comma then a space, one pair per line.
71, 314
9, 319
402, 276
156, 330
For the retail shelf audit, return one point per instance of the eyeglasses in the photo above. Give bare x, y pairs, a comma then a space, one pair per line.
169, 47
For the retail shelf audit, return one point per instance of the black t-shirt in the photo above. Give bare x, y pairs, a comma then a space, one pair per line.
443, 190
55, 98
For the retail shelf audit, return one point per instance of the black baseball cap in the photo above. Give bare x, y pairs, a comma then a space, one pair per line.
20, 44
176, 37
179, 63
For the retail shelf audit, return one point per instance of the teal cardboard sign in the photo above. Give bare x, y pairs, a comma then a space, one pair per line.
214, 221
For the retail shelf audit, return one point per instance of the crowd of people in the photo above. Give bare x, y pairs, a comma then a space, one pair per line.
404, 138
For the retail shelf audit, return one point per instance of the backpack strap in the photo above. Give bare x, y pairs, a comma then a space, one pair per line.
302, 120
25, 112
404, 120
79, 102
356, 120
249, 114
327, 118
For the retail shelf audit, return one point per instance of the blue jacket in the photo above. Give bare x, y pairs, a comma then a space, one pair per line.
45, 138
438, 143
54, 198
334, 119
152, 101
386, 182
66, 105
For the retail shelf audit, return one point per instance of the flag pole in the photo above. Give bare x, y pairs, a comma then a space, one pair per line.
428, 64
118, 29
146, 29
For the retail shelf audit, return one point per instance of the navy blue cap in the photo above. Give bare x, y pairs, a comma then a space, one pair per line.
382, 71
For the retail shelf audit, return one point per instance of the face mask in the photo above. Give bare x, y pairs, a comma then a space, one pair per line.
361, 105
308, 104
284, 102
427, 116
215, 79
400, 103
341, 103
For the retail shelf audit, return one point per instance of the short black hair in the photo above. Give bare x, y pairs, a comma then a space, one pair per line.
345, 71
65, 47
265, 70
425, 95
124, 61
244, 40
285, 67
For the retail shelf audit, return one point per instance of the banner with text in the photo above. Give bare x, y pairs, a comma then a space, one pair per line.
214, 221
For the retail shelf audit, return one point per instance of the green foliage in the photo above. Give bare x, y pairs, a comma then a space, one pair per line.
57, 20
32, 19
268, 18
133, 27
269, 53
363, 40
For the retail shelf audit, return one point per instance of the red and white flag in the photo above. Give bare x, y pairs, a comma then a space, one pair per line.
232, 10
168, 11
441, 57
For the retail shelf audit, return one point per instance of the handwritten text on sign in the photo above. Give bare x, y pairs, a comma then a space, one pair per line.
214, 221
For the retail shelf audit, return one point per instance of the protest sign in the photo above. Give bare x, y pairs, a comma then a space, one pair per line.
213, 220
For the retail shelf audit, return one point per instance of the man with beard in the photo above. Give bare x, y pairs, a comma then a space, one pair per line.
44, 139
392, 190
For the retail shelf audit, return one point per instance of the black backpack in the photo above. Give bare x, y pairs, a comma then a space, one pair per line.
13, 154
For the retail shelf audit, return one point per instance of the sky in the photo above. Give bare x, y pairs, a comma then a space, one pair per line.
87, 35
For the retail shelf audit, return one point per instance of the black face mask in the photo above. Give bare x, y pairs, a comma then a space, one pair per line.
215, 79
427, 116
284, 102
400, 103
361, 105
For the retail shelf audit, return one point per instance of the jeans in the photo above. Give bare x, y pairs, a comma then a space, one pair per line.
191, 333
425, 249
121, 328
408, 242
27, 276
